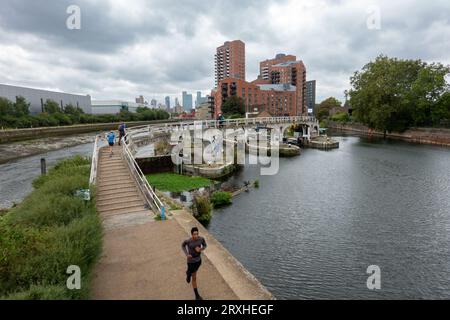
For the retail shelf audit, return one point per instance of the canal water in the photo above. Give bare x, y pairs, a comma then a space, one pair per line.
16, 176
312, 230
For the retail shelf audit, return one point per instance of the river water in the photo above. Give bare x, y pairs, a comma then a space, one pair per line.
312, 230
16, 176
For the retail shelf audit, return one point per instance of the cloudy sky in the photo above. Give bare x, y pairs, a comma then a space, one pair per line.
162, 47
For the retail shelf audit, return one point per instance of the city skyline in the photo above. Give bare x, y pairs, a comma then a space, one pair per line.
144, 57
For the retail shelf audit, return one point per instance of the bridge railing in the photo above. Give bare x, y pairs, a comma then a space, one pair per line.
149, 195
94, 162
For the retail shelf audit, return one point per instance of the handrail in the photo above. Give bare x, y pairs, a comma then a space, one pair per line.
94, 162
147, 191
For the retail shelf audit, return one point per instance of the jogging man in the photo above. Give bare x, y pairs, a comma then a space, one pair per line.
111, 137
192, 248
122, 127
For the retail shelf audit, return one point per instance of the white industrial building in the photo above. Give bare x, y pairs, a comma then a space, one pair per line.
113, 106
37, 98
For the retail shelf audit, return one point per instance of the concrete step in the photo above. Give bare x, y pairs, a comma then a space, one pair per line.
105, 172
113, 187
122, 205
112, 166
118, 199
113, 194
112, 160
111, 212
111, 176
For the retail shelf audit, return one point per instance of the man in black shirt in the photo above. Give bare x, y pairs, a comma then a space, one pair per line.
193, 248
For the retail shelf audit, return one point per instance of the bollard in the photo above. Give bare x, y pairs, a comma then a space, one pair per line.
162, 214
43, 167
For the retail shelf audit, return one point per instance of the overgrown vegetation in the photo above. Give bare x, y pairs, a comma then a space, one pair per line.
17, 115
220, 199
49, 231
162, 147
203, 209
177, 183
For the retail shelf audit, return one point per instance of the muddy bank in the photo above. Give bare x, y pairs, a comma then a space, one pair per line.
17, 150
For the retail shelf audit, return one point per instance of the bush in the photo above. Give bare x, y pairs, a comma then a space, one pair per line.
341, 117
220, 199
203, 209
51, 230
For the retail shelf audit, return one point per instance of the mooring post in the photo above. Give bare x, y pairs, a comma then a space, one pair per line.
43, 167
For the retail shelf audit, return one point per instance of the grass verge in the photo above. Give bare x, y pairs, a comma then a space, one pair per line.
177, 183
48, 232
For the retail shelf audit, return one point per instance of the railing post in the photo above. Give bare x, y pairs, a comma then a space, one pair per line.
163, 216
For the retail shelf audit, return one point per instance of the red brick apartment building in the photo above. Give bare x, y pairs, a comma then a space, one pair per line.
279, 89
230, 61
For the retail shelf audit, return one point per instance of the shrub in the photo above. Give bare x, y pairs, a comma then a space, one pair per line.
341, 117
203, 209
220, 199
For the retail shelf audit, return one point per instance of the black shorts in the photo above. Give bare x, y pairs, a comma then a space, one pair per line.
193, 267
111, 144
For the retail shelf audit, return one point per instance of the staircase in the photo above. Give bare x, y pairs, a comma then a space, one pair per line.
117, 193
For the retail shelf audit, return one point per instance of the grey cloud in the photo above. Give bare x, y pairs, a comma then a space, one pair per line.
158, 47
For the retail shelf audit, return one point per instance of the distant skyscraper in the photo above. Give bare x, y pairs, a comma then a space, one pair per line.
199, 100
153, 103
311, 94
230, 61
167, 100
187, 101
177, 103
140, 100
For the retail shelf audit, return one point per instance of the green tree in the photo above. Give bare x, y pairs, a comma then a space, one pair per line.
391, 94
21, 107
233, 105
325, 106
51, 107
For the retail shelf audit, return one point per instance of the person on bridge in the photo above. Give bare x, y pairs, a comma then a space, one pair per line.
111, 137
193, 248
122, 128
221, 119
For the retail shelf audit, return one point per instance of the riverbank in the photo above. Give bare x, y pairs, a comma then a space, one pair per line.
49, 231
16, 150
433, 136
11, 135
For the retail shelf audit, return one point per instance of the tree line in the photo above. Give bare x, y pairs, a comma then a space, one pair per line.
17, 115
391, 94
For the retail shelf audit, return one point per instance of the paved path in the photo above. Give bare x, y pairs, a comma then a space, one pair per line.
145, 261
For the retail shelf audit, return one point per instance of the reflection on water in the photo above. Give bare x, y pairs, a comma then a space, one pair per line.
312, 230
